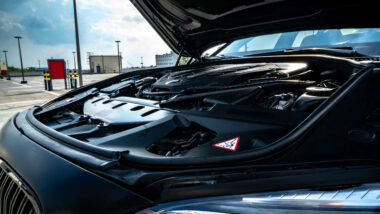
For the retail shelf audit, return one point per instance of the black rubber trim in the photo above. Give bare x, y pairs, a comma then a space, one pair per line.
68, 152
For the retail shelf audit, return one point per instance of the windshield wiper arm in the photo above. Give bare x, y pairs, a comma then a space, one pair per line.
336, 51
221, 57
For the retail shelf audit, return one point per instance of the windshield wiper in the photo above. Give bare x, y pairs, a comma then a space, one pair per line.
221, 57
335, 51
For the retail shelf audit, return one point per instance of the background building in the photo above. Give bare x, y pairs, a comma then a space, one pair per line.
166, 60
3, 68
3, 65
105, 64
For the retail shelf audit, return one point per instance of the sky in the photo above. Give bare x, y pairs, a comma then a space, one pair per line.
47, 28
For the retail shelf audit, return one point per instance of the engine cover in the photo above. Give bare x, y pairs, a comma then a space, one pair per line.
123, 110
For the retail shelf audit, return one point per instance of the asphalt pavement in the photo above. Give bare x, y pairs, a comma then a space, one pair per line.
16, 97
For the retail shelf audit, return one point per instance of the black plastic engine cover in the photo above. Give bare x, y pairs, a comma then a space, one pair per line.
224, 75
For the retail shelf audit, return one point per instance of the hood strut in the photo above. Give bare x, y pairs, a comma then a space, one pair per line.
199, 58
180, 54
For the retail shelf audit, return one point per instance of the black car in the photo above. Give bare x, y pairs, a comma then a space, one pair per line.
277, 110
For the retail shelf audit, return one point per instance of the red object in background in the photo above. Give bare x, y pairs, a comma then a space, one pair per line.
3, 73
57, 68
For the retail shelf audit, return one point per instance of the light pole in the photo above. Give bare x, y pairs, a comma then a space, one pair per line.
118, 55
142, 62
1, 75
6, 63
75, 65
39, 64
78, 45
68, 64
23, 81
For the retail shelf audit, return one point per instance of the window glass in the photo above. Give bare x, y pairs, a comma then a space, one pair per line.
363, 40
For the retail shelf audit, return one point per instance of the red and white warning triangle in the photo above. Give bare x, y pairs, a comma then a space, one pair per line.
229, 144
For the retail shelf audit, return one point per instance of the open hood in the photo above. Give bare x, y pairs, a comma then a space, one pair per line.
197, 25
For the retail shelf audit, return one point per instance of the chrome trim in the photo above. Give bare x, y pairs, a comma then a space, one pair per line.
21, 185
364, 198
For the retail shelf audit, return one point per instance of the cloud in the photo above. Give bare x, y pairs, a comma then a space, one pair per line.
138, 39
8, 22
137, 19
132, 39
48, 30
12, 5
65, 2
38, 23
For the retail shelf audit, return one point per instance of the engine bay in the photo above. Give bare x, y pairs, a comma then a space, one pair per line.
197, 112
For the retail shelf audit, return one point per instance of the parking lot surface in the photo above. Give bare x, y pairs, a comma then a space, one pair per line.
16, 97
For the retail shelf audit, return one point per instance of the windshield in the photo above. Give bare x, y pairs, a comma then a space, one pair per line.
363, 40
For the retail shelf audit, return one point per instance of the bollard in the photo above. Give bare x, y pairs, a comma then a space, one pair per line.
75, 79
68, 77
45, 80
49, 81
65, 78
8, 75
71, 79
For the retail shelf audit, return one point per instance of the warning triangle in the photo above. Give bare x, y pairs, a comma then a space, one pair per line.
229, 144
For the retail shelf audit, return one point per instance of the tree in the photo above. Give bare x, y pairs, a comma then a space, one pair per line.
184, 60
12, 69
